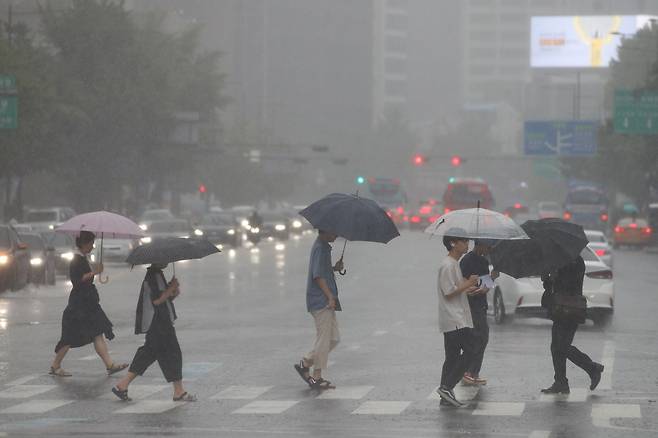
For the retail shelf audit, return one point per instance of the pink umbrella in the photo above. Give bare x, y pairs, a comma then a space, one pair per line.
104, 223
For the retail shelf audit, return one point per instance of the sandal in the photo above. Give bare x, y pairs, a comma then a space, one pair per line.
122, 394
323, 384
185, 397
303, 372
59, 372
116, 368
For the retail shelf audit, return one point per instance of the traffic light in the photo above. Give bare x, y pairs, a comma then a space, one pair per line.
456, 161
418, 159
202, 188
360, 180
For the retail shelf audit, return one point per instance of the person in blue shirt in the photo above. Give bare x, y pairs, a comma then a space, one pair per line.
322, 303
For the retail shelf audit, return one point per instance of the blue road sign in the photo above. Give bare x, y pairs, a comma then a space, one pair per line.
560, 138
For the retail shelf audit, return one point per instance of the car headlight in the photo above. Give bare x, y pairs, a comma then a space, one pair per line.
245, 223
93, 257
279, 227
36, 261
4, 259
51, 227
67, 256
255, 230
230, 232
143, 227
185, 237
145, 239
198, 232
296, 223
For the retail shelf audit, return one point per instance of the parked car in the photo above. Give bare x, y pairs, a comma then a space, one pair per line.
42, 219
599, 244
64, 246
549, 210
42, 259
274, 225
167, 228
632, 232
522, 297
14, 260
150, 216
220, 229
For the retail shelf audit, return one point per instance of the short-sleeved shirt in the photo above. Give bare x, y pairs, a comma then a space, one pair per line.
474, 264
320, 266
455, 312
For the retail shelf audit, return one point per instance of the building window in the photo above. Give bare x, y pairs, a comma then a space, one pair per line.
397, 66
396, 87
396, 43
397, 21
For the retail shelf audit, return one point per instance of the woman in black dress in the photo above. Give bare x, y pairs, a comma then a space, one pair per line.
84, 321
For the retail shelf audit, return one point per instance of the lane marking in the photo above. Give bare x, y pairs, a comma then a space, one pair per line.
577, 395
608, 361
381, 408
23, 380
353, 347
346, 393
380, 332
462, 393
266, 407
137, 392
499, 409
540, 434
25, 391
241, 392
35, 407
149, 407
603, 413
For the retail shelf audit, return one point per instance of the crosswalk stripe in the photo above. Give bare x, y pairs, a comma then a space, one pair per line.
381, 408
149, 407
577, 395
266, 407
35, 406
137, 392
241, 392
22, 380
608, 361
540, 434
462, 393
346, 393
499, 409
25, 391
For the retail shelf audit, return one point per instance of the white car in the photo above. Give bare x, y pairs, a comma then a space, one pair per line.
600, 245
114, 249
548, 210
44, 219
522, 297
150, 216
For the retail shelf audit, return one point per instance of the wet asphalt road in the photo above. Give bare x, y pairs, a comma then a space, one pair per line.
242, 324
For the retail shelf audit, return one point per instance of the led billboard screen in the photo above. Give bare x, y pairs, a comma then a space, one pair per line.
580, 41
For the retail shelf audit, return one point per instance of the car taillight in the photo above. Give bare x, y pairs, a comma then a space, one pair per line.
446, 211
433, 219
600, 275
400, 210
600, 252
619, 229
415, 219
633, 225
604, 217
425, 209
647, 230
567, 216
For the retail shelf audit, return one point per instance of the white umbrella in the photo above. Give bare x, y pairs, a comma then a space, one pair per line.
477, 223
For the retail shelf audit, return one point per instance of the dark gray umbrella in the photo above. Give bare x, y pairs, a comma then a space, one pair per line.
169, 250
553, 243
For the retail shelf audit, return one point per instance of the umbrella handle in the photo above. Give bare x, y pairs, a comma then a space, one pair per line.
103, 281
343, 272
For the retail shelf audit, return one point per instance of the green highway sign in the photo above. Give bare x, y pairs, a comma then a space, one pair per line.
7, 84
8, 112
636, 112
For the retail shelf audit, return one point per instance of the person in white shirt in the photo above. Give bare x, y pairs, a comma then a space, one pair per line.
455, 320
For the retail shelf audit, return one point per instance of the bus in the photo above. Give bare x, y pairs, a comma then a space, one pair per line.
463, 193
390, 195
587, 205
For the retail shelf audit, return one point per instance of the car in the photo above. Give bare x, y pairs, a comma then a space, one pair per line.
149, 216
298, 223
632, 232
463, 193
274, 225
14, 260
114, 249
42, 219
547, 209
652, 212
242, 214
600, 245
167, 228
519, 213
42, 259
64, 246
522, 297
220, 229
424, 216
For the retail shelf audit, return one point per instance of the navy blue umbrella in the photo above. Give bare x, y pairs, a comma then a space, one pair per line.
351, 217
169, 250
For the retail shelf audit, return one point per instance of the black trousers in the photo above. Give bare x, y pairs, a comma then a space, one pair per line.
480, 336
161, 345
561, 350
459, 354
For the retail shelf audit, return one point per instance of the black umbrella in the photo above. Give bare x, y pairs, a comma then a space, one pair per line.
169, 250
351, 217
553, 243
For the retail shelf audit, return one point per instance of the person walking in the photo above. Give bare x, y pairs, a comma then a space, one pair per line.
155, 316
322, 303
566, 282
84, 321
455, 321
476, 263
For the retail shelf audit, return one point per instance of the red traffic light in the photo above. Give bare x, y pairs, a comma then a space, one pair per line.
202, 188
418, 160
456, 161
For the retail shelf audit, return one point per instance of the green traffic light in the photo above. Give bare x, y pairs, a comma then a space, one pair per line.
452, 179
360, 180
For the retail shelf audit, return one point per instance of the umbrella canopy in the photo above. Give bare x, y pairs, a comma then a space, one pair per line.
478, 223
106, 224
351, 217
169, 250
553, 243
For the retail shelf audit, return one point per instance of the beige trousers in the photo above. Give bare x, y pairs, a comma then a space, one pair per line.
326, 338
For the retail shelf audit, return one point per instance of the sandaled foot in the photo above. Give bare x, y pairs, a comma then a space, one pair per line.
116, 368
323, 384
186, 397
303, 372
121, 393
59, 372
